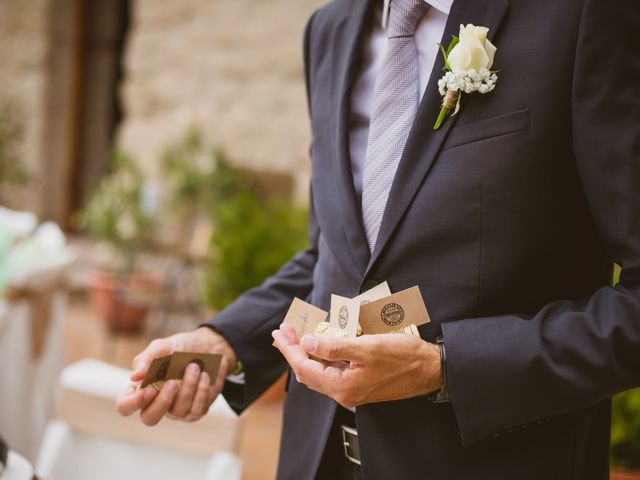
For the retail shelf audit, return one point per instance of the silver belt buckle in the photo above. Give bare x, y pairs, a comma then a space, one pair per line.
346, 444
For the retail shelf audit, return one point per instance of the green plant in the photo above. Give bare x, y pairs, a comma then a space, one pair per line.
625, 422
253, 237
189, 172
11, 134
625, 430
114, 212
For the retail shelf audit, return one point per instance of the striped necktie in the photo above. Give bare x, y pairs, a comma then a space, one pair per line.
396, 97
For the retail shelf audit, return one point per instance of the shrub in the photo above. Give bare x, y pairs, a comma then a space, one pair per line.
252, 238
625, 430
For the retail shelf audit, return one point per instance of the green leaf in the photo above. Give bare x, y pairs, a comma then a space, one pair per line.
444, 55
617, 270
454, 41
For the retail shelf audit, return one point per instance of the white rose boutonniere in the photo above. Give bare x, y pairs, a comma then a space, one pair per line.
467, 61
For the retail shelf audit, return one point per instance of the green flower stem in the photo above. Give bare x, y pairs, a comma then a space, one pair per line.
444, 111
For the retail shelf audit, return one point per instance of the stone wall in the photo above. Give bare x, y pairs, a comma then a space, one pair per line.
23, 56
232, 68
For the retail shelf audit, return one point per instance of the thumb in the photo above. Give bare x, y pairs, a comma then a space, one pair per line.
157, 348
332, 348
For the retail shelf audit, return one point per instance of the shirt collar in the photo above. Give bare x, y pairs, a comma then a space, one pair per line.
443, 6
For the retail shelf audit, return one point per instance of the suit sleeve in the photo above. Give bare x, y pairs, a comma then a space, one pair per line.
513, 370
248, 322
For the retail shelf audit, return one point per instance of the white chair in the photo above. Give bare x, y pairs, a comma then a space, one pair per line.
32, 313
89, 440
18, 468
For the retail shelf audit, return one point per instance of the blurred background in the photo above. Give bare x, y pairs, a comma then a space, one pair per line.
153, 166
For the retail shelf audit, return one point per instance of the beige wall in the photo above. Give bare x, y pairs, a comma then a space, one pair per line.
23, 56
231, 67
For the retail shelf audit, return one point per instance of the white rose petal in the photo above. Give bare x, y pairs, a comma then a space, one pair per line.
473, 51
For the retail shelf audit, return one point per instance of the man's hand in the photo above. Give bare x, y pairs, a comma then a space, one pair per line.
189, 401
367, 369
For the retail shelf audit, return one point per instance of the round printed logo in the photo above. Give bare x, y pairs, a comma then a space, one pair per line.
343, 317
162, 371
392, 314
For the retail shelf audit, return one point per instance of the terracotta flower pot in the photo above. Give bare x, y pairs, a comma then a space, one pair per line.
123, 301
617, 474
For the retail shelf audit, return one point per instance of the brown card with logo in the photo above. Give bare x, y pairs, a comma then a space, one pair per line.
208, 362
157, 371
304, 317
344, 314
394, 312
173, 366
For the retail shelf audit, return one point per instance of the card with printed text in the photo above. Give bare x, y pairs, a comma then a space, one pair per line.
173, 366
394, 312
304, 317
344, 314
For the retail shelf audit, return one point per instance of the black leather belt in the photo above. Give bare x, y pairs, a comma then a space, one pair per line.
350, 444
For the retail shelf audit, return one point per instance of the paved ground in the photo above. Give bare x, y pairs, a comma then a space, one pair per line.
86, 336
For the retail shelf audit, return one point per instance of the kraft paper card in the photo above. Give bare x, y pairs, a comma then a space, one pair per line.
157, 370
304, 317
344, 314
208, 362
394, 312
376, 293
172, 367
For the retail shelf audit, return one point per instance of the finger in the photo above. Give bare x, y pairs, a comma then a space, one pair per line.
184, 399
160, 405
200, 403
289, 332
280, 340
334, 348
319, 377
134, 400
141, 363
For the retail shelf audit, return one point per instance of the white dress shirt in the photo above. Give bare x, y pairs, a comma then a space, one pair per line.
428, 35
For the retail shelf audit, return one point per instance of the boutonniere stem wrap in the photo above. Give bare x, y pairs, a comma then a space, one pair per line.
467, 63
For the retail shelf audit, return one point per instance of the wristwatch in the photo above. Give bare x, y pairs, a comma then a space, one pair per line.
442, 395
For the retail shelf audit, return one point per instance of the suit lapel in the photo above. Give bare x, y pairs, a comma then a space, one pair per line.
350, 37
424, 143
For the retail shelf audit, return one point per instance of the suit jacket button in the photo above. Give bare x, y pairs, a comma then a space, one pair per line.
368, 285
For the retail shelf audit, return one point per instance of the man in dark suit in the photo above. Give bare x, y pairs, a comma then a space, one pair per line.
508, 217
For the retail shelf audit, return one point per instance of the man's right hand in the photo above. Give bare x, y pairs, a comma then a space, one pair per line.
189, 401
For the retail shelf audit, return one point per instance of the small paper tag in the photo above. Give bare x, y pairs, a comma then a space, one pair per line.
172, 367
376, 293
394, 312
344, 314
304, 317
157, 371
208, 362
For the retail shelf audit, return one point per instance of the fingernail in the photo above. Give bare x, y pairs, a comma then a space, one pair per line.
194, 370
172, 385
204, 379
309, 343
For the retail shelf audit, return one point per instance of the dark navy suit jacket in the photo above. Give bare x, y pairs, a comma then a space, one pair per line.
509, 218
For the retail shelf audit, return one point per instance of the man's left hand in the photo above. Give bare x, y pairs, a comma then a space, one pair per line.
366, 369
